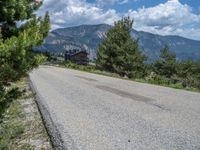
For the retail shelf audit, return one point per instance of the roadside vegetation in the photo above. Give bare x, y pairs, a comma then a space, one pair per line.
21, 126
119, 56
16, 42
16, 60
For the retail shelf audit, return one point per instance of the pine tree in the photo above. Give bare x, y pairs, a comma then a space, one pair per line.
166, 65
45, 25
119, 53
12, 11
188, 73
16, 56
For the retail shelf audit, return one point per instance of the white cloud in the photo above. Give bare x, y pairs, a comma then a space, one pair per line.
171, 18
75, 12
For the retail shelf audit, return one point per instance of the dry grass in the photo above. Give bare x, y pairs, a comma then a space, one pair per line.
21, 127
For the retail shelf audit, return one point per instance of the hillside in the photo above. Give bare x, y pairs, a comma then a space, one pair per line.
88, 37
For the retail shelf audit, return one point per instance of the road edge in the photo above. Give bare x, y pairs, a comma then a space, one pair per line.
51, 128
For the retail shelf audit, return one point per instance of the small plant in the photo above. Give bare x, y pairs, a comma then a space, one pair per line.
9, 132
5, 102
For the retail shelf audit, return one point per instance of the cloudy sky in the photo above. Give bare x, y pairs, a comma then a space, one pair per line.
165, 17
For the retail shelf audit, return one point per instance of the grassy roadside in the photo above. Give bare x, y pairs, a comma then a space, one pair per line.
21, 126
92, 69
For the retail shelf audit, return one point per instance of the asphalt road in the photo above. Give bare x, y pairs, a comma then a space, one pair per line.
94, 112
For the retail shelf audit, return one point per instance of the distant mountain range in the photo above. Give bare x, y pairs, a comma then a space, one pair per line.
88, 37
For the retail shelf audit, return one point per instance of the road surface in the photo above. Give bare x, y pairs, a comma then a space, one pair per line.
94, 112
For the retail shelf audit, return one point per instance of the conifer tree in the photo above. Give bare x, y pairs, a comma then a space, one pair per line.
119, 53
166, 65
45, 25
16, 42
189, 73
12, 11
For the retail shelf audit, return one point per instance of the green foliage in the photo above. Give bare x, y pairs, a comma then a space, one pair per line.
10, 126
166, 66
88, 68
12, 11
189, 73
167, 71
16, 56
79, 67
9, 132
119, 53
45, 25
7, 98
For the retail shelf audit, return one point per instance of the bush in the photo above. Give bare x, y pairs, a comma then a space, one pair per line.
71, 65
7, 97
157, 79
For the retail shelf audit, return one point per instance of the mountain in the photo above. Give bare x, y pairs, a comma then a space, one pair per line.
88, 37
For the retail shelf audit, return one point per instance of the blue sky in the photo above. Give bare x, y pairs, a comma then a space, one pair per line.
164, 17
135, 4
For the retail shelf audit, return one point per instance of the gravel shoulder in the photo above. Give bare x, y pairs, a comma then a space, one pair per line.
93, 112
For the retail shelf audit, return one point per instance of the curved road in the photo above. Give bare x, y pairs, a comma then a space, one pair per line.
85, 111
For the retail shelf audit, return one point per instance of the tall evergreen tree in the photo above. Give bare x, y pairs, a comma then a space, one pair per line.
119, 53
45, 25
16, 42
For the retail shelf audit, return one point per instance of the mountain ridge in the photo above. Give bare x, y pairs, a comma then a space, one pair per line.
88, 37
